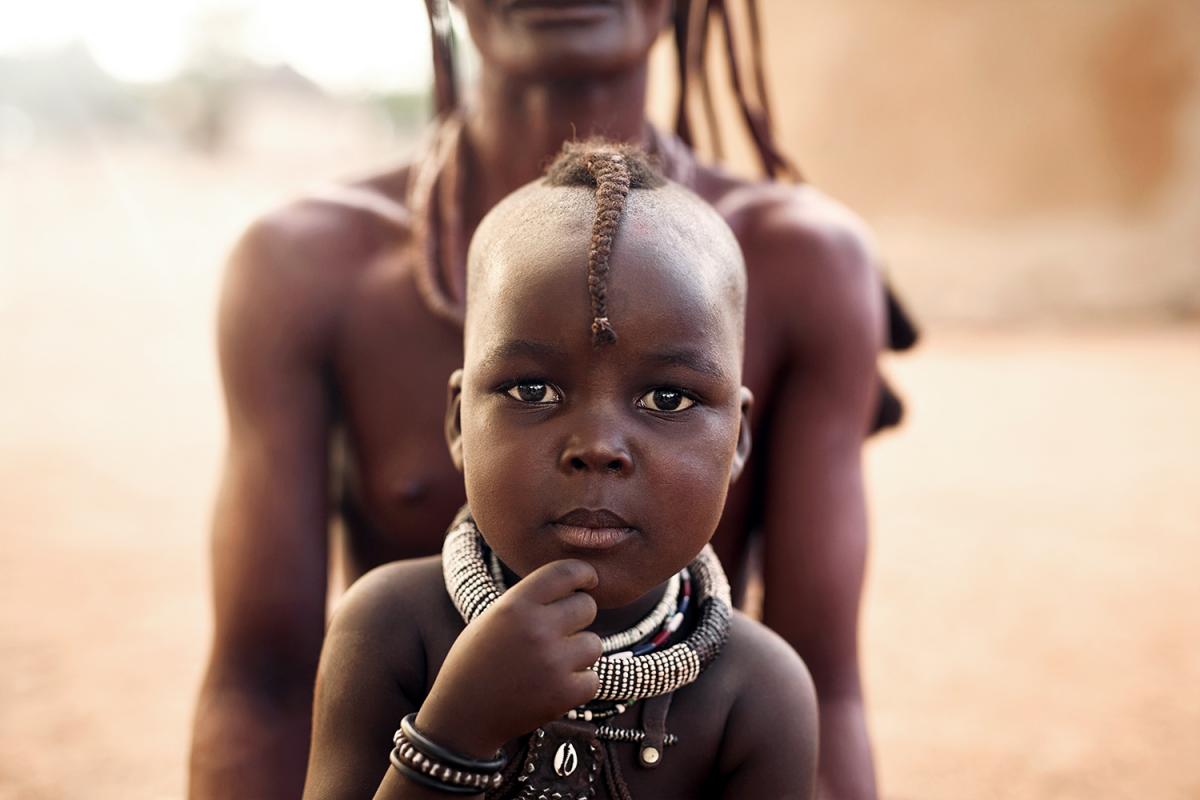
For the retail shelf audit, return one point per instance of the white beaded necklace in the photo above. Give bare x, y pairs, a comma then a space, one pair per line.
473, 588
626, 638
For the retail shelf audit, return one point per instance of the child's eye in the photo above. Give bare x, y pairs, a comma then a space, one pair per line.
533, 392
665, 400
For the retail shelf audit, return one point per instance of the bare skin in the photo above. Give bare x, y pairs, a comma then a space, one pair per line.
544, 424
755, 693
323, 332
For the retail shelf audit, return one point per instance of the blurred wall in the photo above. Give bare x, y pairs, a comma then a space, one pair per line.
1028, 160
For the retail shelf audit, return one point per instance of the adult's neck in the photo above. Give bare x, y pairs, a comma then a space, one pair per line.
516, 125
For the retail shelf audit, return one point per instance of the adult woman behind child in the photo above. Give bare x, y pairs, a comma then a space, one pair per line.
576, 640
341, 317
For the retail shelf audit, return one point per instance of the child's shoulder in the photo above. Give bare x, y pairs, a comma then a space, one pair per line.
763, 665
393, 588
398, 590
396, 611
771, 701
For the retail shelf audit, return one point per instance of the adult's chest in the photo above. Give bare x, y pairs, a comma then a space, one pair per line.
399, 488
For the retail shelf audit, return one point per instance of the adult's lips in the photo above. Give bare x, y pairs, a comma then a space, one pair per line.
592, 529
555, 3
559, 12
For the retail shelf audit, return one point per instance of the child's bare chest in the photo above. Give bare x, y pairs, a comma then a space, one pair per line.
600, 762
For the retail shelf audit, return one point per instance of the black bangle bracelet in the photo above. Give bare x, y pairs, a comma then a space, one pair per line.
417, 776
436, 751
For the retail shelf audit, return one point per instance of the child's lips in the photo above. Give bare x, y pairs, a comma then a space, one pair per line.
592, 529
591, 538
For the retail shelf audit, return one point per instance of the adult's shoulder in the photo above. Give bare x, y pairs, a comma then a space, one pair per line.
789, 231
328, 231
810, 259
295, 266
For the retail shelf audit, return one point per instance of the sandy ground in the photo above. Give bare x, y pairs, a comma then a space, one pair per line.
1032, 616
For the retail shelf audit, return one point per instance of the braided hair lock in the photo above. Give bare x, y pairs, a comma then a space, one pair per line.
614, 170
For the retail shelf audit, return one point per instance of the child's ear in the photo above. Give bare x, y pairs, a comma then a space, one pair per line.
454, 418
742, 453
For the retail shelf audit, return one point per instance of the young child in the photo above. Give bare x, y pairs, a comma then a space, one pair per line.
575, 639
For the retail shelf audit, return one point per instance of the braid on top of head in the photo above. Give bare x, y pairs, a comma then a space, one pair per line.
614, 169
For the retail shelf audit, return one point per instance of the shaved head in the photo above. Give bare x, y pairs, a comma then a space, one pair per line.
576, 223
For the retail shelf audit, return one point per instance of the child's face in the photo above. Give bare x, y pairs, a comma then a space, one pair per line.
620, 454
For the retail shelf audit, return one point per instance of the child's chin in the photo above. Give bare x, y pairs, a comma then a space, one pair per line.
613, 594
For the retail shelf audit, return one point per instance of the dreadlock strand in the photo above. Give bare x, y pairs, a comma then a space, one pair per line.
757, 57
683, 127
700, 61
739, 91
766, 124
445, 86
772, 160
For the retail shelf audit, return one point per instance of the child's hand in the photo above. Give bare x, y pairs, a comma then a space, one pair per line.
520, 664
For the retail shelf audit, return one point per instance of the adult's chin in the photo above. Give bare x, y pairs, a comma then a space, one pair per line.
569, 58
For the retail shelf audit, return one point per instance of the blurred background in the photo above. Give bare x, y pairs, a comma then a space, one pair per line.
1031, 169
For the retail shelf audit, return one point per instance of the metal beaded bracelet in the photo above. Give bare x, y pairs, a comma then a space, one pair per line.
428, 763
426, 770
432, 781
431, 749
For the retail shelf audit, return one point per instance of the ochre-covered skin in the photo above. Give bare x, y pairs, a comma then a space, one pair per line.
330, 355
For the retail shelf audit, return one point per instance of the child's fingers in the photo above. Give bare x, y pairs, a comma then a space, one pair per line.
582, 650
572, 613
583, 686
556, 580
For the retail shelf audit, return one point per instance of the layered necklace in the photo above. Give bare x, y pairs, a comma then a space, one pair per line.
632, 668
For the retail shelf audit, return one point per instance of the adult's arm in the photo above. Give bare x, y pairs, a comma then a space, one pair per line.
814, 524
269, 539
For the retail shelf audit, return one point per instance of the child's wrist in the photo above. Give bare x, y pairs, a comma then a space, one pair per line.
456, 733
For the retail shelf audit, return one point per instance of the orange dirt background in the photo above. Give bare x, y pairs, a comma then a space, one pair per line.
1032, 615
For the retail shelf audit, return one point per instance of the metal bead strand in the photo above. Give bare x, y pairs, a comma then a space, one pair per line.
631, 735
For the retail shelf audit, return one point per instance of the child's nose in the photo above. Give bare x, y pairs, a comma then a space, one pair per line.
595, 452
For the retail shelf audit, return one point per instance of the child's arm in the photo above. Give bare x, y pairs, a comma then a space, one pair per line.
522, 663
371, 674
770, 746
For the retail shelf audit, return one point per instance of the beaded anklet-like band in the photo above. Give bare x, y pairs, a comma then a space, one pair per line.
424, 761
